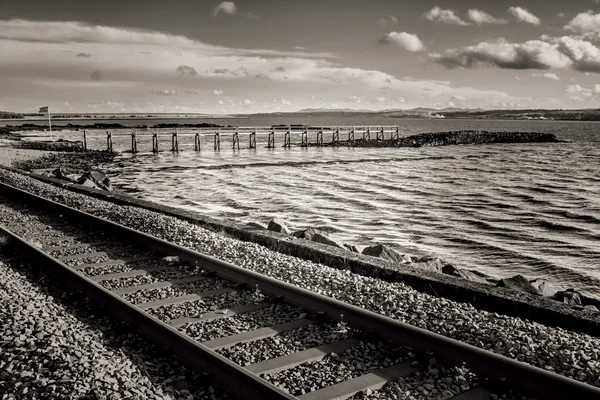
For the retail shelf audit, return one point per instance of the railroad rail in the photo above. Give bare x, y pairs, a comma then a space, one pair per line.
123, 269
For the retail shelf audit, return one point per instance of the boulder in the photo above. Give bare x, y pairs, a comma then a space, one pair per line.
97, 178
569, 296
466, 274
518, 283
430, 263
256, 225
591, 308
545, 288
385, 252
317, 237
351, 248
305, 234
277, 225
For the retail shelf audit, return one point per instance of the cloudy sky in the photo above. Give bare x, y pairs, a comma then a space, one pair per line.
282, 55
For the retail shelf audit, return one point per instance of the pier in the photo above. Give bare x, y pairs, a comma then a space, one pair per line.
197, 139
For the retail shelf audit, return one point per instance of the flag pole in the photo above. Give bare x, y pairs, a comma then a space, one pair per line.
50, 124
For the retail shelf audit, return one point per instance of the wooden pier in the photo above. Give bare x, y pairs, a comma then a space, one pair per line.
283, 136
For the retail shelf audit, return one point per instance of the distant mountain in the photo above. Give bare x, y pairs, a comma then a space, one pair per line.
332, 110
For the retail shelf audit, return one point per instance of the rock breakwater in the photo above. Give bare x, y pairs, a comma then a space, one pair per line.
454, 138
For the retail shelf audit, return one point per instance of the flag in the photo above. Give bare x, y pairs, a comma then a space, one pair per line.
44, 109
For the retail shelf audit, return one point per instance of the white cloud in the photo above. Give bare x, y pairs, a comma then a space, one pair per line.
586, 24
523, 15
226, 7
390, 19
547, 75
481, 17
217, 92
580, 93
458, 97
408, 41
437, 14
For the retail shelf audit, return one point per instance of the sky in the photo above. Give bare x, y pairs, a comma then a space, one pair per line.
251, 56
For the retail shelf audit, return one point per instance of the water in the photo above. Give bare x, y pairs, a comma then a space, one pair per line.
502, 209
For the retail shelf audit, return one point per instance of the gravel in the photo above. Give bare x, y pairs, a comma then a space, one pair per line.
286, 343
53, 347
334, 368
222, 327
116, 268
204, 285
176, 272
208, 304
567, 352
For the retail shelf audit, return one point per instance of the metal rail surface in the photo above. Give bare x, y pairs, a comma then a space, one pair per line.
241, 381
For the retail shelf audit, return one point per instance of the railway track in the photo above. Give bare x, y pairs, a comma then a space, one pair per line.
261, 338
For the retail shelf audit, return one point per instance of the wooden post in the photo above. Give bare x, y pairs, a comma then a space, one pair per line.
336, 137
133, 142
84, 141
305, 137
320, 137
286, 139
236, 140
397, 132
197, 142
368, 135
217, 140
175, 142
109, 144
380, 134
351, 134
155, 143
253, 139
271, 143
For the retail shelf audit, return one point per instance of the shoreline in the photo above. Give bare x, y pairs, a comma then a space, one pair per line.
480, 295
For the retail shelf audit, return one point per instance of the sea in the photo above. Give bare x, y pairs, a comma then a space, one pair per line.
502, 209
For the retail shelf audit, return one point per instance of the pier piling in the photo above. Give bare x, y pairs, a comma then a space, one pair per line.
109, 143
253, 139
286, 139
236, 140
175, 142
84, 141
155, 143
335, 140
351, 134
217, 140
271, 143
133, 142
197, 142
305, 137
320, 137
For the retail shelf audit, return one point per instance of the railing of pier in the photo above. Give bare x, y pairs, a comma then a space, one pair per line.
270, 136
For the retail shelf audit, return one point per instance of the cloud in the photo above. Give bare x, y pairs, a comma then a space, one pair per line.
408, 41
586, 24
523, 15
217, 92
437, 14
581, 93
389, 20
300, 48
278, 69
547, 75
262, 77
481, 17
172, 92
185, 70
458, 97
86, 55
225, 7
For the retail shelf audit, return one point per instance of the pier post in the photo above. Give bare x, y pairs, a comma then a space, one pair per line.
84, 141
395, 133
175, 142
320, 137
109, 143
271, 143
236, 140
253, 139
197, 142
133, 142
217, 143
155, 143
305, 137
351, 134
380, 134
286, 139
368, 134
336, 137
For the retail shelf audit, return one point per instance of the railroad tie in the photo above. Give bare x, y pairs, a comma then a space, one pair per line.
113, 262
158, 285
184, 299
242, 309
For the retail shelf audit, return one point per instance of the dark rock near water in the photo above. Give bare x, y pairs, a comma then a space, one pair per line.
96, 179
351, 248
434, 264
256, 225
450, 269
319, 238
385, 252
569, 296
277, 225
519, 283
305, 234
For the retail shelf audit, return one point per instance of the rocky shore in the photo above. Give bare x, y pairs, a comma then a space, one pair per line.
451, 138
566, 351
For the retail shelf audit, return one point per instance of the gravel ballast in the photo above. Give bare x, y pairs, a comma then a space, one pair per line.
567, 352
53, 347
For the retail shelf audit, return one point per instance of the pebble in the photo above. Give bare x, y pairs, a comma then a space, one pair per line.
145, 296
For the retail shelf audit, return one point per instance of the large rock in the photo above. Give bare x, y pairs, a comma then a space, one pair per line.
430, 263
256, 225
351, 248
319, 238
385, 252
97, 179
305, 234
569, 296
450, 269
277, 225
545, 288
519, 283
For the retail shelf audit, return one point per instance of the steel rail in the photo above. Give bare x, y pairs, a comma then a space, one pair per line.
518, 375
